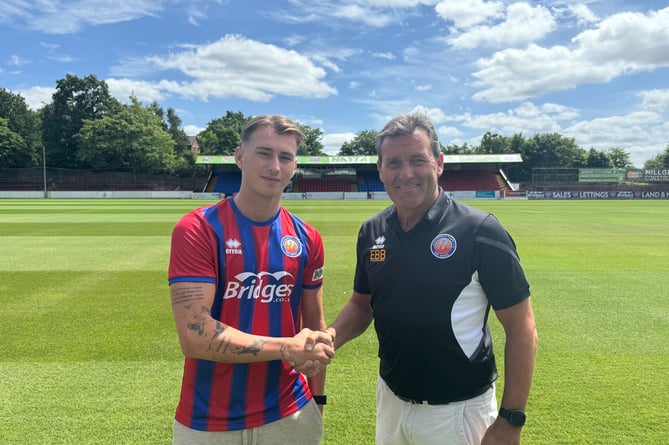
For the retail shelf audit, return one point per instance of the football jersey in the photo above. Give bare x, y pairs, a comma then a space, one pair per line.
259, 269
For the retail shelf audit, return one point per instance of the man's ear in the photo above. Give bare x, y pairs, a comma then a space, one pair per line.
238, 156
440, 164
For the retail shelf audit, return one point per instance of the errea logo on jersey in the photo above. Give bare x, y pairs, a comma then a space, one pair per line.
264, 286
233, 246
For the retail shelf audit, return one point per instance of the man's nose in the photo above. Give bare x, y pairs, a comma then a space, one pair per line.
406, 170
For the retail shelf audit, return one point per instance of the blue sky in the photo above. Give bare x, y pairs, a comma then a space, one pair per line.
597, 71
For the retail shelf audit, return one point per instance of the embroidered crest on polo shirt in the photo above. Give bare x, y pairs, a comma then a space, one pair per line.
291, 246
443, 246
233, 247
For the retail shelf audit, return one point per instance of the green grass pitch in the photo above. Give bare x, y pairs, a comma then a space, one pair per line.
89, 354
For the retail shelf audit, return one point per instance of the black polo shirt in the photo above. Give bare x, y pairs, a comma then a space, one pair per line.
431, 292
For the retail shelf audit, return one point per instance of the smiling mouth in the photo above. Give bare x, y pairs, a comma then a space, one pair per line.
406, 188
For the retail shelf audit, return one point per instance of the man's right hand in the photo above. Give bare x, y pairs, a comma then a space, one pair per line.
316, 350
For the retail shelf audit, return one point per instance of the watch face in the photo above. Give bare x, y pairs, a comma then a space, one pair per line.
517, 418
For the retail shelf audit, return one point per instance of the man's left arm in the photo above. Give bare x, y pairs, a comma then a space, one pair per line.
519, 357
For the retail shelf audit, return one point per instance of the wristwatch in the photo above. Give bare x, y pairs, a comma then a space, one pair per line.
515, 416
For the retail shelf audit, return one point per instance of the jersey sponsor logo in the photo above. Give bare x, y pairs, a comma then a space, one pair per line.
264, 286
317, 275
377, 255
291, 246
443, 246
233, 247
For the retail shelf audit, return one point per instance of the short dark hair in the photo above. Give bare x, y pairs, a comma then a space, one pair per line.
280, 123
405, 124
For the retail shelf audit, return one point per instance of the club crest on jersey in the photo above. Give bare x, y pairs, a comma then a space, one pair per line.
291, 246
443, 246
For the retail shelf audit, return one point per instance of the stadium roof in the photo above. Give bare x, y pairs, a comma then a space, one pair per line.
348, 160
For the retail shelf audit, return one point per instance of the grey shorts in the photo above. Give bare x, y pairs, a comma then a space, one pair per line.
303, 427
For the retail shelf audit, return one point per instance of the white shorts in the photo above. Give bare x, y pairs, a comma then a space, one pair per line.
457, 423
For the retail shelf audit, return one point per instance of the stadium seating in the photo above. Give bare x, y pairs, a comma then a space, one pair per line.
228, 182
370, 182
324, 184
462, 180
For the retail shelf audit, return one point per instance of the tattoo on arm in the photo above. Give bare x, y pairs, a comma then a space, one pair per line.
187, 296
219, 329
198, 327
253, 349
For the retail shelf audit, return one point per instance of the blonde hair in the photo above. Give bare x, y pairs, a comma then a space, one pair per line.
280, 123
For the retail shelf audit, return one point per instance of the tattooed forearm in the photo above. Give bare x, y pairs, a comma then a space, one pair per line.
253, 349
187, 296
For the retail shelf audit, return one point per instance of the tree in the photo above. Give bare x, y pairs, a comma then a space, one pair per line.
620, 158
184, 157
133, 139
598, 159
312, 144
454, 149
554, 150
363, 144
75, 100
493, 143
24, 126
223, 135
13, 151
659, 161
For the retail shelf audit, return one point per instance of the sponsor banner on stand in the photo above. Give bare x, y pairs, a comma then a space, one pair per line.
619, 194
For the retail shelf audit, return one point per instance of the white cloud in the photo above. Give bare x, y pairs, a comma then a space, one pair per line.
193, 130
144, 91
583, 14
527, 119
467, 13
232, 67
15, 60
332, 142
448, 131
65, 17
524, 23
621, 44
634, 132
36, 97
387, 56
366, 13
655, 100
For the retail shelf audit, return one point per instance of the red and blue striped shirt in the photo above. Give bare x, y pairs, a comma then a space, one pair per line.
259, 269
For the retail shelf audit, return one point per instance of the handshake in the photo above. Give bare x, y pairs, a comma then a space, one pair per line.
309, 352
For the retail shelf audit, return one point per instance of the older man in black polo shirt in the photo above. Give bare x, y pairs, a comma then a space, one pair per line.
428, 271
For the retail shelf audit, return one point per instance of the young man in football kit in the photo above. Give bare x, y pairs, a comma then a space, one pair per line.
428, 271
245, 280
